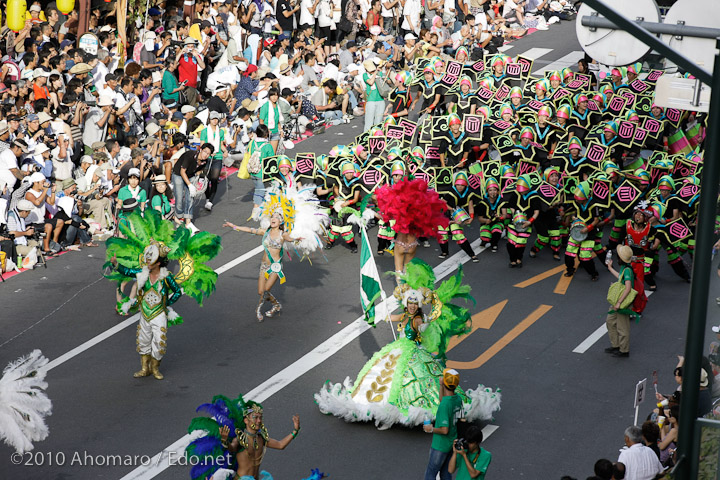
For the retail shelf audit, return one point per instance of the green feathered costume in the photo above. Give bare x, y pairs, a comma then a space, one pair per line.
191, 251
149, 241
401, 382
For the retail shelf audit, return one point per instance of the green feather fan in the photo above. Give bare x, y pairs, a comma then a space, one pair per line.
191, 251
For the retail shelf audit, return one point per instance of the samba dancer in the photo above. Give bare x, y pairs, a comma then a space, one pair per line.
233, 440
273, 239
287, 216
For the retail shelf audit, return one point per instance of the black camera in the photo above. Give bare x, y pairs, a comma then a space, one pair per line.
461, 444
91, 103
5, 232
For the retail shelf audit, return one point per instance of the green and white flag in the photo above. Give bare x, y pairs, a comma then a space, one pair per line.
370, 287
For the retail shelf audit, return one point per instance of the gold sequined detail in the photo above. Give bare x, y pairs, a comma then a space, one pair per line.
163, 329
380, 385
162, 352
163, 337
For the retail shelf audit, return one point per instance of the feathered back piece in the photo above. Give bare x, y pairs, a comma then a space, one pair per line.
191, 251
301, 214
452, 319
23, 402
207, 446
416, 209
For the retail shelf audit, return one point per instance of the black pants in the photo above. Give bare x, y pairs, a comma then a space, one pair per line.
213, 179
445, 248
587, 265
8, 246
515, 253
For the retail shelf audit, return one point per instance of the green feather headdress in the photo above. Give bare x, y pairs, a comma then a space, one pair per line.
191, 251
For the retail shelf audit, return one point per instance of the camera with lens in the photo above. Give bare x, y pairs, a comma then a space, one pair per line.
461, 444
38, 232
5, 232
91, 103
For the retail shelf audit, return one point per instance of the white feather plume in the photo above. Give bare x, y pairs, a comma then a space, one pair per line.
337, 399
363, 219
23, 402
223, 474
310, 221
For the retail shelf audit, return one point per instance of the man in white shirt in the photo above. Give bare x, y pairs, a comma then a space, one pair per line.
9, 169
307, 12
640, 461
411, 16
388, 14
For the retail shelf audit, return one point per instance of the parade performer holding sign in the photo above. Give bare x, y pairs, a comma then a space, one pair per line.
233, 441
143, 255
287, 215
401, 382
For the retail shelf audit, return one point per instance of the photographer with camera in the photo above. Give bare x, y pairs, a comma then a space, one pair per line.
42, 194
70, 211
25, 237
39, 161
190, 61
190, 163
124, 101
470, 460
326, 102
96, 122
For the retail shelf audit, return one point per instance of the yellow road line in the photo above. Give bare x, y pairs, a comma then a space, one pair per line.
484, 319
504, 341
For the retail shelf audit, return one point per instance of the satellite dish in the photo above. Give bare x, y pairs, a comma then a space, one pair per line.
695, 13
616, 47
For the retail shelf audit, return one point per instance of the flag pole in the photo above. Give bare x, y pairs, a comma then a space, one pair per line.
383, 298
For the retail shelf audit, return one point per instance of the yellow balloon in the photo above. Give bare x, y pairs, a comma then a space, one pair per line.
66, 6
16, 14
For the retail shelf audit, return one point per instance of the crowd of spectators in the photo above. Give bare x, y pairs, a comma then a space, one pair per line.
84, 136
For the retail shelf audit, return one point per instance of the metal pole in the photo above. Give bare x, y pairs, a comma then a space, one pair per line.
593, 21
687, 468
651, 40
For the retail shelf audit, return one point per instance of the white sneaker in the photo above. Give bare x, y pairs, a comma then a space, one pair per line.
553, 20
208, 206
192, 227
357, 111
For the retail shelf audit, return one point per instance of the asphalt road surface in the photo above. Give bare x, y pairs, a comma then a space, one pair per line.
565, 402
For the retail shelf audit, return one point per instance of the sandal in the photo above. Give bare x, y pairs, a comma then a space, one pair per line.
90, 244
594, 278
513, 264
569, 273
475, 259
